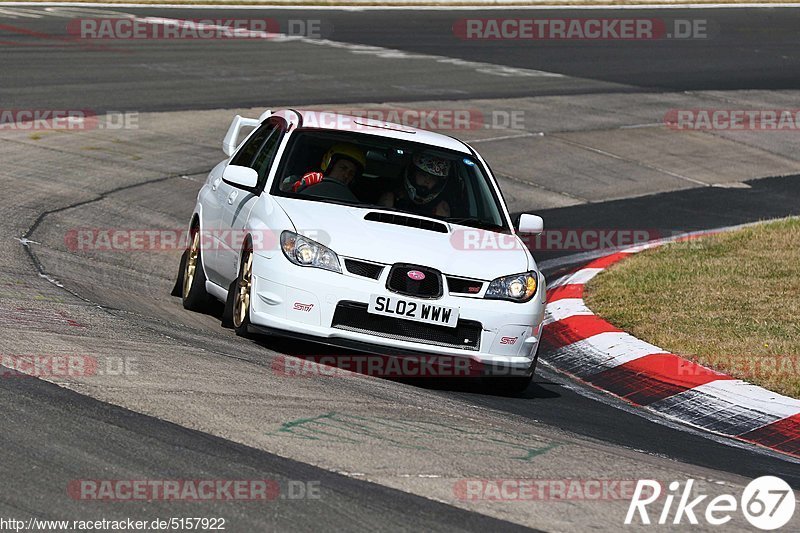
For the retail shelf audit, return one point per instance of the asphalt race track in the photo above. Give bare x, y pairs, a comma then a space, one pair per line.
750, 49
197, 402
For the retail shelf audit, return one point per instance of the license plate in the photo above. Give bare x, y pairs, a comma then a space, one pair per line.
411, 310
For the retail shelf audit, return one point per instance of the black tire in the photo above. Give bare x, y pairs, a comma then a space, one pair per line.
511, 385
227, 312
177, 289
193, 277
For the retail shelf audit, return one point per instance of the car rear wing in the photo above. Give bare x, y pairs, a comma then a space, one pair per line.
231, 141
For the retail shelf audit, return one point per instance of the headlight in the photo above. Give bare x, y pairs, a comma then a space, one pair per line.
305, 252
517, 288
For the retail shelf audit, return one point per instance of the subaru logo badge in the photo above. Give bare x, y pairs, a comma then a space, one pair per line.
416, 275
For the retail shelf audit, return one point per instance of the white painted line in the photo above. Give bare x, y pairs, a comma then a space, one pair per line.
580, 277
751, 396
727, 414
376, 51
506, 137
638, 126
565, 308
390, 53
619, 348
599, 352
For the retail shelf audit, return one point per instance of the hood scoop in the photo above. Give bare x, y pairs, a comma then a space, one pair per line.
402, 220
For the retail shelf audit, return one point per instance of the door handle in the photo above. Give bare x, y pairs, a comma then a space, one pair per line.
232, 196
215, 184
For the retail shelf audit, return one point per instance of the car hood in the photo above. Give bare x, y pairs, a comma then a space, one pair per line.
346, 232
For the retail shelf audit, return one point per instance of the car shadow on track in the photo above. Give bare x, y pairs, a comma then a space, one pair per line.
538, 389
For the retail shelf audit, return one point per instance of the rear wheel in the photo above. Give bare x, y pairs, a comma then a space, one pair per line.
193, 291
241, 297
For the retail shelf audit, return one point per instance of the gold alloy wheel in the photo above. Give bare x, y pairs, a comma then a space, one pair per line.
242, 302
191, 264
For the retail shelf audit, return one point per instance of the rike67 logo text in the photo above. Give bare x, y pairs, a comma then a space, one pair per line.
767, 503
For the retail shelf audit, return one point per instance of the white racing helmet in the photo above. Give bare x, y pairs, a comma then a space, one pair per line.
435, 167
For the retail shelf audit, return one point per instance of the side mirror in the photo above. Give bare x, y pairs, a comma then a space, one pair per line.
530, 224
244, 177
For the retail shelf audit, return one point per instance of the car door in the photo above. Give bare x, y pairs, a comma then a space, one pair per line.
211, 219
239, 201
216, 228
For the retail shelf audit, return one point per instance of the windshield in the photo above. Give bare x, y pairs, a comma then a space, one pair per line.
379, 172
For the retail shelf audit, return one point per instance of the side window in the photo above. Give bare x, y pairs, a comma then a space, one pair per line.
244, 157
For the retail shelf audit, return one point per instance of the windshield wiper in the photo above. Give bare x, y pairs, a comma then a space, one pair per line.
474, 222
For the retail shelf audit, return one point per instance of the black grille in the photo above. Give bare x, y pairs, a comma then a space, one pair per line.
463, 286
400, 220
353, 316
362, 268
430, 286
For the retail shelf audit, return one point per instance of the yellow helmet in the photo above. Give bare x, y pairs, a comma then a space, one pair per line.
350, 151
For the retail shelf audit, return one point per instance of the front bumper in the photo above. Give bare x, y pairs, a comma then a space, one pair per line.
302, 302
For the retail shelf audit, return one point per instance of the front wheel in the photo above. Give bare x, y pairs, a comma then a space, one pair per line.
505, 385
241, 297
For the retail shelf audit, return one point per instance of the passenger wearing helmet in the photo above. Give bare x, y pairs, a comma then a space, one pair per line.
423, 184
340, 165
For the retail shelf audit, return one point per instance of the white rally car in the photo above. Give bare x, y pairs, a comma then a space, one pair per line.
369, 236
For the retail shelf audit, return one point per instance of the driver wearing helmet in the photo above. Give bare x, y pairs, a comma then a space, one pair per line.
424, 182
340, 165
